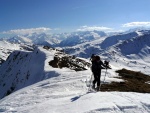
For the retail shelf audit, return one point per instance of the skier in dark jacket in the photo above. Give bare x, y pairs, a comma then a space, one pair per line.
97, 65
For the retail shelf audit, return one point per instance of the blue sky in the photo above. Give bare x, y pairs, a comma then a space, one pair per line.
72, 15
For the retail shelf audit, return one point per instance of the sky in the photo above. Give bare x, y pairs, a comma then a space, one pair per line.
23, 16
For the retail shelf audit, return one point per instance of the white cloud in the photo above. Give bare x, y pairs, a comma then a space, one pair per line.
92, 28
136, 24
27, 31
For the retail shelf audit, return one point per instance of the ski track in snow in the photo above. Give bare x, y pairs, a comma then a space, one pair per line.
67, 93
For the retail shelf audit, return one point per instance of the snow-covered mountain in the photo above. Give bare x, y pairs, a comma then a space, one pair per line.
61, 39
23, 68
112, 40
19, 71
130, 45
19, 39
81, 37
34, 82
97, 46
43, 39
34, 38
123, 47
139, 46
61, 90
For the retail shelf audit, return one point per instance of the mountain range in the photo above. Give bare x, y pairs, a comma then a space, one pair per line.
25, 70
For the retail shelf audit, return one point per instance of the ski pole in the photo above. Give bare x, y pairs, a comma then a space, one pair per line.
90, 82
104, 78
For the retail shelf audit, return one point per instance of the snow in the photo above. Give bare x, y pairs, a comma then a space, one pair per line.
6, 48
65, 91
19, 39
40, 88
130, 51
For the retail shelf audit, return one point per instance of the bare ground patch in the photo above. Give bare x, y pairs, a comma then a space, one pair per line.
133, 82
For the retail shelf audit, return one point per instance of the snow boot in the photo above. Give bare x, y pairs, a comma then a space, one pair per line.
98, 88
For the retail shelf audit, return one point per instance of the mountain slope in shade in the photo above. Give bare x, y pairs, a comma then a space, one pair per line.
139, 45
112, 40
20, 70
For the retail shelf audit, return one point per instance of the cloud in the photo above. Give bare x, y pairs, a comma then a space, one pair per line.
92, 28
27, 31
137, 24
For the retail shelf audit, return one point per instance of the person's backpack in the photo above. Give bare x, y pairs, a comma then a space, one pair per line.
96, 66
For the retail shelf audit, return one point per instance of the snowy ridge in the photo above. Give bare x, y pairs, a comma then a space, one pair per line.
21, 69
67, 93
131, 54
112, 40
140, 45
6, 48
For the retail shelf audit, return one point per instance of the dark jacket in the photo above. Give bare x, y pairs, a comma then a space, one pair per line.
97, 66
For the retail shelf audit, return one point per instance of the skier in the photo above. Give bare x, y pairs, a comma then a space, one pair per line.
97, 65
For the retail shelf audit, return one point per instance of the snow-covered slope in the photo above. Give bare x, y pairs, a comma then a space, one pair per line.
20, 70
65, 90
121, 50
139, 46
100, 44
34, 86
6, 48
85, 49
131, 53
112, 40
